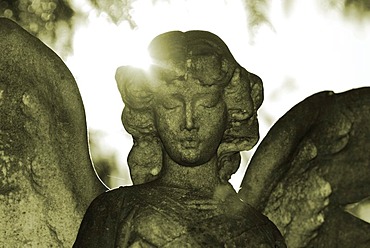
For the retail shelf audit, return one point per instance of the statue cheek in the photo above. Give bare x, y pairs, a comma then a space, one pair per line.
214, 119
168, 120
212, 129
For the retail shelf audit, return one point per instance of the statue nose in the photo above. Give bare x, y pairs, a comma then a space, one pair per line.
189, 118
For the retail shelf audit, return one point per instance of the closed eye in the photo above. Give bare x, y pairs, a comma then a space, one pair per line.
170, 103
209, 102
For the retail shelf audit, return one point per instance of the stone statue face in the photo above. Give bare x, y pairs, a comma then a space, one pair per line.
195, 103
190, 120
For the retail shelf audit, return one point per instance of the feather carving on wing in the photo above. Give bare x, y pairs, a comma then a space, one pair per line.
315, 161
46, 177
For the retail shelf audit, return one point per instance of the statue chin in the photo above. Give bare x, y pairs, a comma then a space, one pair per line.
189, 162
190, 158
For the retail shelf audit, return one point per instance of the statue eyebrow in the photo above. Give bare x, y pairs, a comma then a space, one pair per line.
170, 79
209, 92
175, 95
181, 78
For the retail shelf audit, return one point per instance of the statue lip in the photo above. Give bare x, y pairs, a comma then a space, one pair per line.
190, 141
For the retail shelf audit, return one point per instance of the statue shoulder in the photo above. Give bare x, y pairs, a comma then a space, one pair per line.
113, 201
101, 220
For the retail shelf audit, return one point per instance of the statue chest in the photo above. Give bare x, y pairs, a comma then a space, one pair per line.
172, 221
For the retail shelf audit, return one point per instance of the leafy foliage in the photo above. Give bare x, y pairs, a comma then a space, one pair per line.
256, 13
117, 10
42, 18
361, 5
51, 20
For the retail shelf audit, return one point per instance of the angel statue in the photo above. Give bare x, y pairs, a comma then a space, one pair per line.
190, 114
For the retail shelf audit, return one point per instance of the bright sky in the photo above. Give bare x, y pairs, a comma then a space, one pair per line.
310, 49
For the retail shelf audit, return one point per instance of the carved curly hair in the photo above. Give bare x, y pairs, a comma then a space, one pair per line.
207, 58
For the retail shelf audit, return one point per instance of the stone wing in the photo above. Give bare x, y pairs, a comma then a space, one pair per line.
313, 163
46, 176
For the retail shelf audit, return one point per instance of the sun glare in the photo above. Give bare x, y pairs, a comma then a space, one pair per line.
298, 56
135, 53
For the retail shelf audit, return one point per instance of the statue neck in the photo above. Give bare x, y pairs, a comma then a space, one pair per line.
202, 178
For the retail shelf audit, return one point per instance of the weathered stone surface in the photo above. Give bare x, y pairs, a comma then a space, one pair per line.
190, 115
46, 176
315, 161
150, 215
